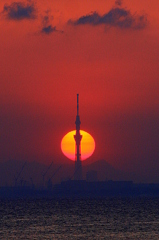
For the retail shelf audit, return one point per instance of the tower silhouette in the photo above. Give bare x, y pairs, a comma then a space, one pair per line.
78, 137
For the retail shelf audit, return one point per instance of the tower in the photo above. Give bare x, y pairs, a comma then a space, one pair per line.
78, 137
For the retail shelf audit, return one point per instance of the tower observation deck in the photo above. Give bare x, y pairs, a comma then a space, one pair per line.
78, 137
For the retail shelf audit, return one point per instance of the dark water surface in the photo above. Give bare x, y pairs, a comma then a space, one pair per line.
109, 218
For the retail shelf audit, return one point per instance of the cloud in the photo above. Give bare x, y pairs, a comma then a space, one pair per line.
47, 27
19, 11
116, 17
118, 2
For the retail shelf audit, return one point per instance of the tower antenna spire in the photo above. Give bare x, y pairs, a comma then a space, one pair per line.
78, 137
77, 104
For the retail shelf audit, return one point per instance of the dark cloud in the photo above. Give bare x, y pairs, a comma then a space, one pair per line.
116, 17
20, 10
47, 27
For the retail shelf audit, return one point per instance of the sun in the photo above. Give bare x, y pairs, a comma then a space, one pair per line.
68, 145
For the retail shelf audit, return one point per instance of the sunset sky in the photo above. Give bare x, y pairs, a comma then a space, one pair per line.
105, 50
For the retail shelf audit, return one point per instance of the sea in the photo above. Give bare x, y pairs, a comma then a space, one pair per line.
80, 218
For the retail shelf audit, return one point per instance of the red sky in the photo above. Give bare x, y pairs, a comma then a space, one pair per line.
107, 52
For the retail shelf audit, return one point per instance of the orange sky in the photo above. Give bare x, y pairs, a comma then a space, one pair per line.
48, 56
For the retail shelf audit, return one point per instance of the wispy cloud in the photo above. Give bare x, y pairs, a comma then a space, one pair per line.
20, 10
47, 26
116, 17
118, 2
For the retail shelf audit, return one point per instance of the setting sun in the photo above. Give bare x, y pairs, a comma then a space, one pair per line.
68, 145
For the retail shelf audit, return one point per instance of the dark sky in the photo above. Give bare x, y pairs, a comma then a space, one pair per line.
106, 51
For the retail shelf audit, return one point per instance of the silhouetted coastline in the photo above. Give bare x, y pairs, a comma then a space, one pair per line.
82, 188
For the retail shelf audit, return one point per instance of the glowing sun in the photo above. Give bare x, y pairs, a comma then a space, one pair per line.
68, 145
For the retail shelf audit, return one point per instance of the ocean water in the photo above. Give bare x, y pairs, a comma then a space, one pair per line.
109, 218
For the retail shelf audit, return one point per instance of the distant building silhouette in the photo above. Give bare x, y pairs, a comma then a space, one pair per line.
78, 137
